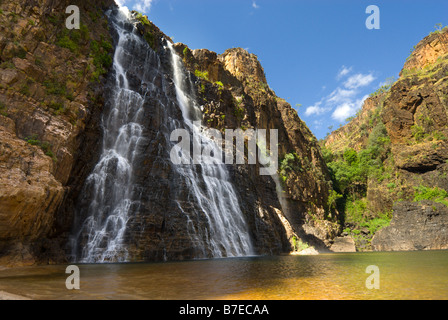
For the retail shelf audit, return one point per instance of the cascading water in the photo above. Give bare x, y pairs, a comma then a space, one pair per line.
227, 233
114, 206
111, 181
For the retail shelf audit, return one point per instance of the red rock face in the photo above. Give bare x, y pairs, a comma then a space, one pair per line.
416, 226
53, 98
415, 114
47, 100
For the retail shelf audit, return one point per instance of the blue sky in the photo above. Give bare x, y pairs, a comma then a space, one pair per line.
315, 53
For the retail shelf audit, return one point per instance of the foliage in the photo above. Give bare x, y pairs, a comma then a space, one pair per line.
333, 199
434, 194
418, 133
438, 28
55, 87
349, 119
148, 35
350, 171
45, 146
142, 18
201, 74
290, 163
298, 244
239, 110
150, 39
3, 109
74, 38
364, 225
102, 60
384, 88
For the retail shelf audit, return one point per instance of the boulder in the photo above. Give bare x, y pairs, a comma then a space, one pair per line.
343, 244
415, 226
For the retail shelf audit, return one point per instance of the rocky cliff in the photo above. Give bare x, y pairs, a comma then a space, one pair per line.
53, 91
416, 226
401, 134
50, 96
233, 89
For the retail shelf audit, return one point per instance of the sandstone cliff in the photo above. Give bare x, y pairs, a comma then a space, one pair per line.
402, 133
233, 89
52, 93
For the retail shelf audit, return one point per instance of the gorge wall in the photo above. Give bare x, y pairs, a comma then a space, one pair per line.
401, 134
56, 86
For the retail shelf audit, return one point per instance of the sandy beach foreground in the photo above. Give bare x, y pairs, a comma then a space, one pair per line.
9, 296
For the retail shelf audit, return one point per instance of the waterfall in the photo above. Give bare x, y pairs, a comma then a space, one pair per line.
112, 198
102, 232
227, 233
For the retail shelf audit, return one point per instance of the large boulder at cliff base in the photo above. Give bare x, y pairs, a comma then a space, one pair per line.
415, 226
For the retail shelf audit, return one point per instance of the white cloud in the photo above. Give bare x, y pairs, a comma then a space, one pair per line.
255, 5
345, 100
343, 72
359, 80
315, 109
139, 5
341, 95
143, 5
348, 109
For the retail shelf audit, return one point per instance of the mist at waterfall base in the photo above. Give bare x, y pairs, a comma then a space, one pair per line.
111, 195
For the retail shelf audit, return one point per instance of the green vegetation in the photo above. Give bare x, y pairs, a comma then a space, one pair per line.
150, 38
3, 109
291, 162
20, 52
55, 87
298, 245
102, 60
201, 74
438, 29
45, 146
73, 39
333, 199
7, 65
14, 17
58, 107
142, 18
384, 88
54, 19
434, 194
349, 119
148, 35
418, 133
350, 171
239, 110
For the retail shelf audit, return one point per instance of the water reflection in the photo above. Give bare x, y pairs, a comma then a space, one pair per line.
404, 275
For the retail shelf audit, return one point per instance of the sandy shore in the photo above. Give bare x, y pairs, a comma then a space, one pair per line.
9, 296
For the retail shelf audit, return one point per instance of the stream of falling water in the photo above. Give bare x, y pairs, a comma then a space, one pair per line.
227, 234
216, 227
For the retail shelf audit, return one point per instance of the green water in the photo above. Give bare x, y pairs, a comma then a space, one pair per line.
403, 275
